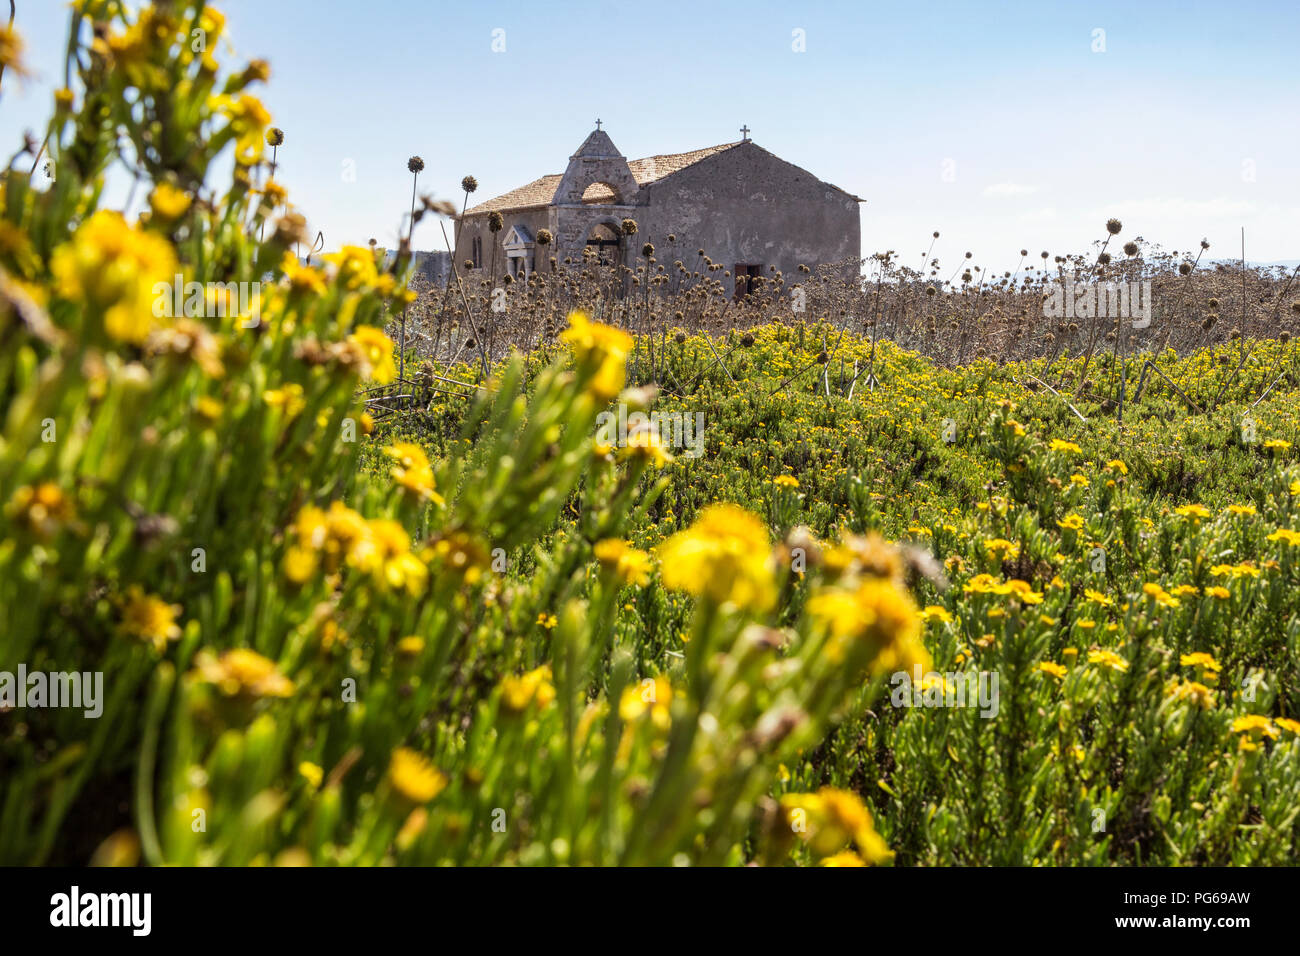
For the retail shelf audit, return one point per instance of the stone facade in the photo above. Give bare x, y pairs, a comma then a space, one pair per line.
741, 204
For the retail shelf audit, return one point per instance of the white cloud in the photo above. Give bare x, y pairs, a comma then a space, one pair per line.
1002, 190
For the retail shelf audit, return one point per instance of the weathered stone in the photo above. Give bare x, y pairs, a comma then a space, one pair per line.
739, 203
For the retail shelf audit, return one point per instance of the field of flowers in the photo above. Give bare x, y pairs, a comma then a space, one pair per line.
892, 612
1133, 587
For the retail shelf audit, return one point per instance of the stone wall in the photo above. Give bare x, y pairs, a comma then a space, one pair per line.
742, 205
477, 226
745, 205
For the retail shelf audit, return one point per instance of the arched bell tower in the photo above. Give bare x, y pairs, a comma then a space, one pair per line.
600, 173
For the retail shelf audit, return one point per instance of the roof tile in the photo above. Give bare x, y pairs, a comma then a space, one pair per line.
541, 192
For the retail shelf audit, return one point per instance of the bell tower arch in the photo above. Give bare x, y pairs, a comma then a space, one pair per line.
597, 188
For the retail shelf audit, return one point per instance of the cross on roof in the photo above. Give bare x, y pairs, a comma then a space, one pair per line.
744, 131
597, 125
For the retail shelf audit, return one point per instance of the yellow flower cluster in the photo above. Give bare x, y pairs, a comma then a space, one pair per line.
518, 693
875, 613
600, 353
413, 471
1158, 594
830, 819
414, 777
1108, 660
242, 672
653, 697
723, 556
988, 584
112, 268
149, 618
380, 548
42, 510
627, 563
374, 351
248, 120
1254, 729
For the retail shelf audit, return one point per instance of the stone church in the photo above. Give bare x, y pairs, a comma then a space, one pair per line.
750, 211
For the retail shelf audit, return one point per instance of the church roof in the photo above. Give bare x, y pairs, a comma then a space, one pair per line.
541, 192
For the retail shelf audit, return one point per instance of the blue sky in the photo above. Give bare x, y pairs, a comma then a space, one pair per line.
995, 123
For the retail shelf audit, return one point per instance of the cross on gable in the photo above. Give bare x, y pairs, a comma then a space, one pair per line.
744, 131
597, 125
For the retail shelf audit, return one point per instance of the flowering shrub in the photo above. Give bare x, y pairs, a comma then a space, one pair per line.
308, 661
1133, 587
479, 634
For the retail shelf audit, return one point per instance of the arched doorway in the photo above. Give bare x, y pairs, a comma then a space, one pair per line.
603, 242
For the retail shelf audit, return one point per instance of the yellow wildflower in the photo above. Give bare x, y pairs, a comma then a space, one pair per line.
1108, 659
652, 697
43, 510
534, 687
629, 564
414, 777
600, 352
149, 618
168, 203
119, 271
242, 672
311, 772
934, 612
1193, 692
1253, 728
1160, 595
413, 471
830, 819
876, 616
723, 556
375, 350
